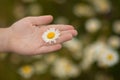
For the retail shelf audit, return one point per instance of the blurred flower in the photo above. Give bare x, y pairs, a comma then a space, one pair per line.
19, 11
26, 71
91, 54
98, 47
50, 58
61, 20
88, 58
92, 25
108, 58
75, 46
83, 10
3, 56
101, 53
116, 27
114, 41
35, 9
102, 6
63, 68
40, 67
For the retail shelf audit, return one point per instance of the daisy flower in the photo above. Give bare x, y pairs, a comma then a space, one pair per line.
74, 43
114, 41
26, 71
103, 6
76, 47
93, 25
51, 35
84, 10
64, 68
50, 58
108, 58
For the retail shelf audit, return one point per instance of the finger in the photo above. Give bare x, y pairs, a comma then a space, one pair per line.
65, 37
60, 27
40, 20
50, 48
73, 32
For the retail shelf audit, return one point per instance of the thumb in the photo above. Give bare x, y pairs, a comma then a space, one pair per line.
41, 20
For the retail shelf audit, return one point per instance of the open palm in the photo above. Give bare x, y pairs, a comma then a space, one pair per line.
26, 35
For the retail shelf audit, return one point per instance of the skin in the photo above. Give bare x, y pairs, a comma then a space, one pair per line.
25, 36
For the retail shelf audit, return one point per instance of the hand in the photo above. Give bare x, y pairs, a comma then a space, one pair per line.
26, 35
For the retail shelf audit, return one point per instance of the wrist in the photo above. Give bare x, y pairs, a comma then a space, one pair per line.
4, 39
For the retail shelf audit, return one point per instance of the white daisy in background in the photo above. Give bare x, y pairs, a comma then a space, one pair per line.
74, 43
98, 48
101, 53
91, 54
50, 58
26, 71
76, 47
40, 67
114, 41
83, 10
116, 26
63, 68
51, 35
108, 58
88, 58
102, 6
92, 25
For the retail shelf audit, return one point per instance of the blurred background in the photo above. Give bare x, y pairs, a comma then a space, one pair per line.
92, 55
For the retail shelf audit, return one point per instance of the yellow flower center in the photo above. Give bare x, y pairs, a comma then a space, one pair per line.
51, 35
26, 69
110, 57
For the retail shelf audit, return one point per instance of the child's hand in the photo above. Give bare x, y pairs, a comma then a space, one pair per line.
26, 35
